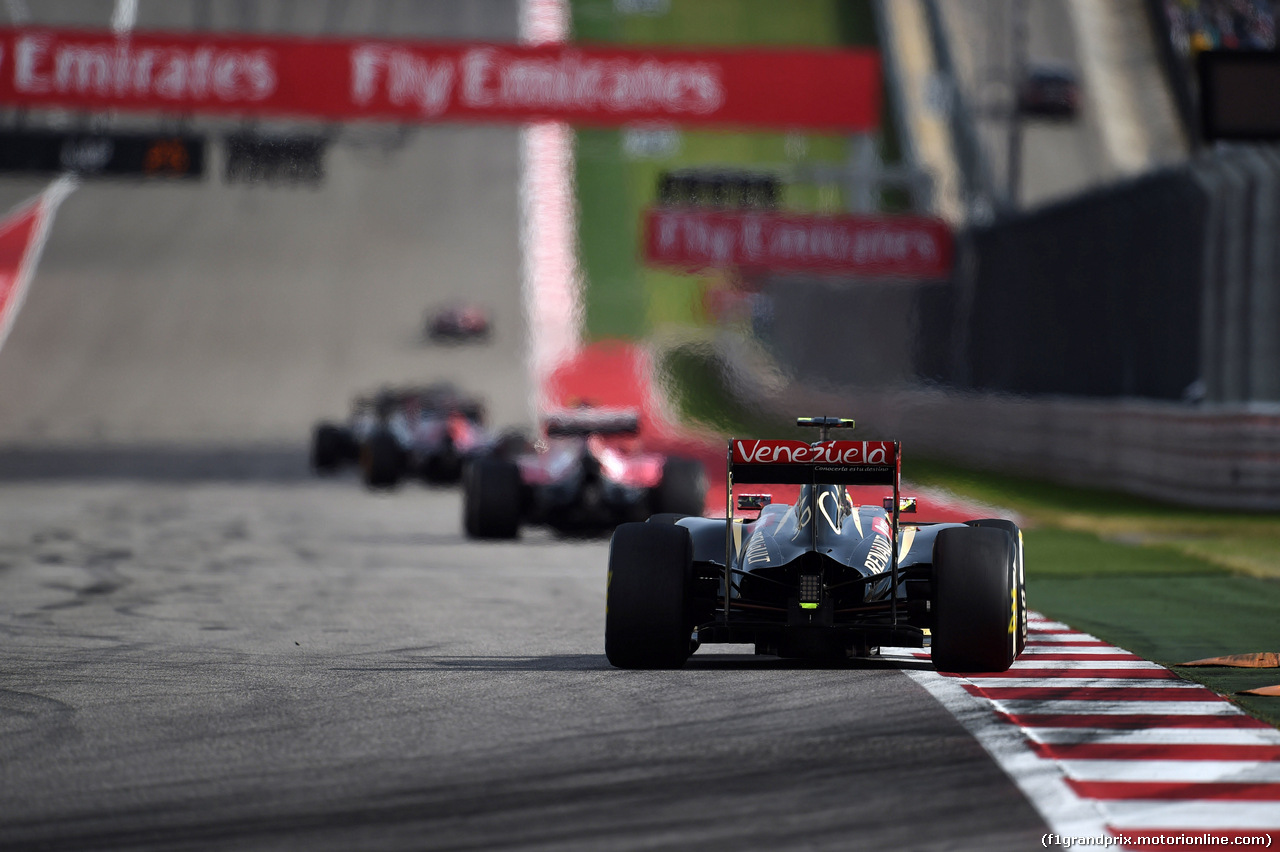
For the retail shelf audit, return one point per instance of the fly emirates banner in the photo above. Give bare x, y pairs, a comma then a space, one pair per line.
409, 81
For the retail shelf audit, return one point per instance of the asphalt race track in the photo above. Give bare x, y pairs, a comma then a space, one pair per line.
306, 666
205, 648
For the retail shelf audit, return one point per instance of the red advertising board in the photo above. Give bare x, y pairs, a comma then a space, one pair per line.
354, 79
914, 247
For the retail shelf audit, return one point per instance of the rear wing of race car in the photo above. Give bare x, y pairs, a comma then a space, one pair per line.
783, 462
598, 421
824, 462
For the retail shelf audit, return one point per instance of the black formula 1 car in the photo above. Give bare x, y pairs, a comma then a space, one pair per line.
588, 474
820, 578
401, 432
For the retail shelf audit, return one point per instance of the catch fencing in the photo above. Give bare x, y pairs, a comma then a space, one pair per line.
1163, 288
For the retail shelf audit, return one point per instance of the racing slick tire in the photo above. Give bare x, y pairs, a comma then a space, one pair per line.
683, 489
491, 499
327, 448
975, 608
383, 461
1020, 570
667, 517
646, 622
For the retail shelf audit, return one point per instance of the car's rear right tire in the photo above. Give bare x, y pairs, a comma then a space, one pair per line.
1020, 582
975, 607
647, 623
491, 499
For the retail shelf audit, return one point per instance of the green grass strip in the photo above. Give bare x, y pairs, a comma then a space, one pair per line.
1171, 619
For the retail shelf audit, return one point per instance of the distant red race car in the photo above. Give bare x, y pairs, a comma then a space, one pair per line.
588, 474
458, 323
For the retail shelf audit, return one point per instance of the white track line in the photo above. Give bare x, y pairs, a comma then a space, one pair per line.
1140, 814
1079, 683
1083, 664
1156, 736
1045, 633
1176, 771
1024, 707
1035, 650
1047, 625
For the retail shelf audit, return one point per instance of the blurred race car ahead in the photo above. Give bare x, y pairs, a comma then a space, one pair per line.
822, 578
1049, 91
426, 432
588, 474
458, 323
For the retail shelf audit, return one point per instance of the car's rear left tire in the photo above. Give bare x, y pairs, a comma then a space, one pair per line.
647, 623
975, 606
491, 503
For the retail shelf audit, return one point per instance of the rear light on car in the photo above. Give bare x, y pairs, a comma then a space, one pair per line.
810, 590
